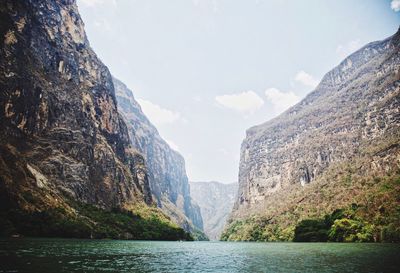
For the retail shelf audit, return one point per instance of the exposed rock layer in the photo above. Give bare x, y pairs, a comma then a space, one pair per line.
352, 116
215, 201
58, 109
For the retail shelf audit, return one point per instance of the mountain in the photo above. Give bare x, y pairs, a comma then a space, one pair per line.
216, 201
166, 167
338, 149
67, 166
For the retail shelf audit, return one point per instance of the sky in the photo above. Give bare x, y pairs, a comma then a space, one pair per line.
204, 71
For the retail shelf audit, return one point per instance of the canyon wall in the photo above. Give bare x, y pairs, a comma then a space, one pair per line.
166, 168
67, 166
297, 164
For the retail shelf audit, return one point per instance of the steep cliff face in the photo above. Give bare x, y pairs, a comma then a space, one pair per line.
351, 120
215, 201
167, 175
62, 137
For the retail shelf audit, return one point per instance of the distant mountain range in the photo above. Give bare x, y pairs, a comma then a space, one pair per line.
215, 200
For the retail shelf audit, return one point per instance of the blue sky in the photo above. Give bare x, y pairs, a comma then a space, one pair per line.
204, 71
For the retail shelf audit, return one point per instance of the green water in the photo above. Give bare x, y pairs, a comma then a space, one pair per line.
57, 255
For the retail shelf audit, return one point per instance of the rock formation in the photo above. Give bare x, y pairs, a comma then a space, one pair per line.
166, 167
62, 139
215, 201
347, 127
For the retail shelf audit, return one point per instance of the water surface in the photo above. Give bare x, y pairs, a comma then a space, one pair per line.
59, 255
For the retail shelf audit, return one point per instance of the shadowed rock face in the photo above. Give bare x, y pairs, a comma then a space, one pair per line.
215, 201
355, 107
61, 132
167, 175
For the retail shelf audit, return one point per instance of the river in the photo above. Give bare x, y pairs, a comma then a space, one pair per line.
69, 255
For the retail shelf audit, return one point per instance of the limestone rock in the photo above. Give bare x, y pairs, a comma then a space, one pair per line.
352, 112
61, 133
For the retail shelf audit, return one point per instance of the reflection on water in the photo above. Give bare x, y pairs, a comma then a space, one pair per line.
57, 255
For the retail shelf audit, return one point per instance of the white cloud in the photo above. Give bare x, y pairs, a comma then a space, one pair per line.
172, 144
215, 6
395, 5
224, 151
306, 79
345, 50
281, 100
197, 98
211, 4
245, 102
102, 24
92, 3
157, 114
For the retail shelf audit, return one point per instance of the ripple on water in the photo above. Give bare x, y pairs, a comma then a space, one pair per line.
56, 255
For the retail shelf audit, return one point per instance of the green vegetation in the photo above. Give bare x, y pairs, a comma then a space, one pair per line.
257, 229
340, 226
88, 221
370, 213
198, 235
311, 230
347, 230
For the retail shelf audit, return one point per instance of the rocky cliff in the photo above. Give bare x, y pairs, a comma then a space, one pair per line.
166, 167
216, 202
329, 150
63, 141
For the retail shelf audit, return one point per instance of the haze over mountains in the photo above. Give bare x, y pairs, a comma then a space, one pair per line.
216, 201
